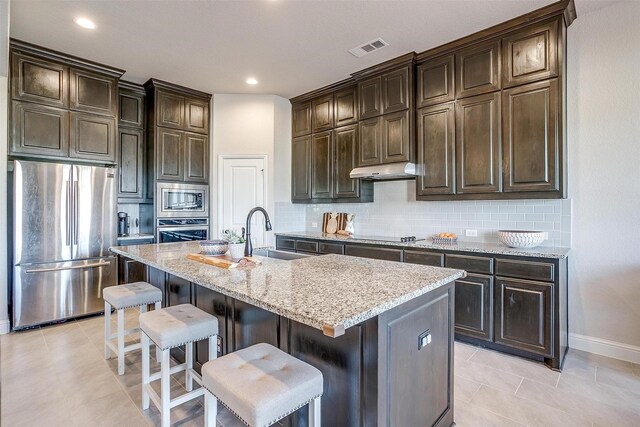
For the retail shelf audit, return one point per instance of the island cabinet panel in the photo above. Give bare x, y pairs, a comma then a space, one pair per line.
178, 291
322, 165
370, 97
425, 258
252, 325
170, 161
524, 315
530, 54
40, 81
158, 278
92, 137
346, 159
436, 144
322, 113
301, 119
93, 93
213, 303
478, 165
196, 113
474, 308
301, 169
130, 161
39, 130
370, 150
396, 137
169, 110
389, 254
396, 90
130, 271
435, 81
531, 138
478, 69
346, 106
196, 156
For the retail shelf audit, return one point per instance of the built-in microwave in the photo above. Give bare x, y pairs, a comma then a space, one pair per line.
182, 200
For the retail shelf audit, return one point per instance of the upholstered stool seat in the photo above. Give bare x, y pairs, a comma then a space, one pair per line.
130, 295
179, 325
261, 385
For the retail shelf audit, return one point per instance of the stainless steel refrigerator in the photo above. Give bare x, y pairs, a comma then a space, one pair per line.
64, 223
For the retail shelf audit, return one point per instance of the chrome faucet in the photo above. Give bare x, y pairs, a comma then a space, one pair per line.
248, 249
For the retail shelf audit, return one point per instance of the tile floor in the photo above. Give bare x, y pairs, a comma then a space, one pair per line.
56, 376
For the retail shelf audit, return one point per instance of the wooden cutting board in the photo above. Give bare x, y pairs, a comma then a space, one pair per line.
221, 261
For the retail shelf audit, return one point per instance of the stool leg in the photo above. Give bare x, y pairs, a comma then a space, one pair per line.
213, 347
210, 409
165, 397
107, 330
120, 342
188, 380
314, 412
158, 352
144, 340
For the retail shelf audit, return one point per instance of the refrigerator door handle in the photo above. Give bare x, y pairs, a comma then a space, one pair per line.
76, 190
73, 267
68, 213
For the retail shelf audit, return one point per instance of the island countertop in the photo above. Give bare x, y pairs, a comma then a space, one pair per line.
329, 292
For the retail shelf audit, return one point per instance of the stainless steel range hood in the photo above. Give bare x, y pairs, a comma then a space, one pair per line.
402, 170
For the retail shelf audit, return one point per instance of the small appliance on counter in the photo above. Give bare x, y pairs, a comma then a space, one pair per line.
123, 224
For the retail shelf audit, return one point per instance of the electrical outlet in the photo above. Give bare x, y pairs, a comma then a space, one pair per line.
472, 233
314, 225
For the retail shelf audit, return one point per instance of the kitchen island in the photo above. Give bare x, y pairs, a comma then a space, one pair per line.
381, 332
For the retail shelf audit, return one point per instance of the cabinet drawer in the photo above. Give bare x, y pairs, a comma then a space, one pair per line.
307, 246
473, 264
525, 269
285, 244
388, 254
425, 258
331, 248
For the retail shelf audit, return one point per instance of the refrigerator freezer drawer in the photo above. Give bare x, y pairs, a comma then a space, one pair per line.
49, 292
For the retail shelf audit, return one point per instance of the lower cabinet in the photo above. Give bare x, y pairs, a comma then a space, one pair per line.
524, 315
214, 303
130, 271
177, 291
389, 254
473, 315
252, 325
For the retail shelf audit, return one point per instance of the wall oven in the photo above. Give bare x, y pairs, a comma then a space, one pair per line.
182, 200
182, 229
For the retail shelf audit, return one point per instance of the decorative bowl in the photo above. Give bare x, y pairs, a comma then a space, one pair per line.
214, 247
522, 238
444, 240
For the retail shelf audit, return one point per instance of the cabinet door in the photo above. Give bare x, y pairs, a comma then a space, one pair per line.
178, 290
530, 54
370, 97
395, 91
473, 314
301, 119
39, 81
524, 315
435, 81
530, 152
346, 106
253, 325
196, 115
169, 110
131, 271
93, 137
322, 113
346, 151
93, 93
39, 130
370, 149
478, 69
478, 144
131, 164
322, 165
131, 111
395, 137
436, 139
196, 156
169, 161
301, 168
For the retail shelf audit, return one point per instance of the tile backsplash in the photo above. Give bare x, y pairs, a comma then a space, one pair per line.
395, 212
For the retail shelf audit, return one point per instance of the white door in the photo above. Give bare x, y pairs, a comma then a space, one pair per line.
242, 187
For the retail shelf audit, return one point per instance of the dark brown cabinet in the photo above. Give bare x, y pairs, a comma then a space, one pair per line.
424, 258
322, 113
478, 69
370, 149
370, 97
196, 155
301, 119
39, 130
478, 144
530, 54
93, 93
435, 81
346, 106
170, 110
473, 314
396, 90
389, 254
436, 145
300, 169
131, 271
396, 137
530, 137
169, 152
130, 163
196, 113
322, 165
524, 315
346, 151
92, 137
131, 106
40, 81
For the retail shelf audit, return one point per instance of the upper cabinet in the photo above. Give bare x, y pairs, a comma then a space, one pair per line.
435, 81
169, 110
478, 69
530, 54
131, 143
370, 97
322, 113
39, 80
93, 93
436, 147
196, 115
346, 106
396, 89
301, 119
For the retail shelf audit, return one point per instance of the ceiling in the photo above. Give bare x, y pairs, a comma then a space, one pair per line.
291, 47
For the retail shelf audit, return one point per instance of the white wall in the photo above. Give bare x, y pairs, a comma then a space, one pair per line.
604, 179
4, 73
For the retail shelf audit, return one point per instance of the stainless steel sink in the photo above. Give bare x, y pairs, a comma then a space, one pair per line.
274, 253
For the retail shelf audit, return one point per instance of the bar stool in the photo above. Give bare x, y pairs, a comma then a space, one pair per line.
261, 385
137, 294
168, 328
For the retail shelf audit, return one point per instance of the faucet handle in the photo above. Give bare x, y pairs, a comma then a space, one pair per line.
243, 231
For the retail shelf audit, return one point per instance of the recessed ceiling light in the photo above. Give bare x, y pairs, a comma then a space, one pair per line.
85, 23
252, 81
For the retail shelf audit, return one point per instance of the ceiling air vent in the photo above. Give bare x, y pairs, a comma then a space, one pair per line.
366, 48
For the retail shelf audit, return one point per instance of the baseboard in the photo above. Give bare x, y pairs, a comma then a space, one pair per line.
5, 327
616, 350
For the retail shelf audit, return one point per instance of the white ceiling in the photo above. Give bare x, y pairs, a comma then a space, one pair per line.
290, 46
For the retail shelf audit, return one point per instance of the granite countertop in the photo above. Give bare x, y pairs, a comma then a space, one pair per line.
137, 236
330, 292
487, 248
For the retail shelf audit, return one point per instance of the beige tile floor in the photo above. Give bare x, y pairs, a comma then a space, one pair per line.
56, 376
